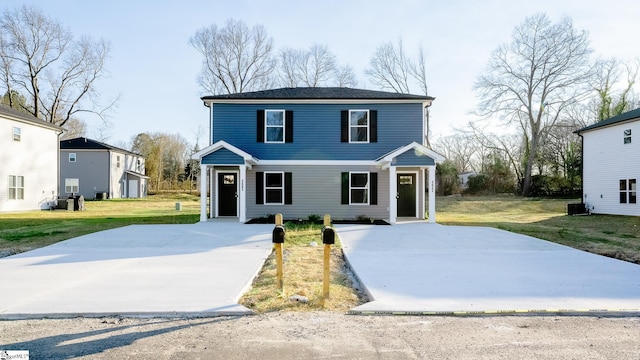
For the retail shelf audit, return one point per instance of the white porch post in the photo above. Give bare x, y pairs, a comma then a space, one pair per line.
242, 211
432, 194
423, 182
212, 190
393, 191
203, 192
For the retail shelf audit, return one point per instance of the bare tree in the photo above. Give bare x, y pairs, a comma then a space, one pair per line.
346, 77
614, 98
313, 67
460, 149
59, 73
74, 128
236, 58
532, 80
391, 69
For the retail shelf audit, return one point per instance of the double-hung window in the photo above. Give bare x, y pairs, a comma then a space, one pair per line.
359, 126
359, 188
17, 133
274, 188
16, 187
628, 191
627, 136
71, 186
274, 126
72, 157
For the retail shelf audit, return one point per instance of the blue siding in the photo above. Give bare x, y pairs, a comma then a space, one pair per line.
410, 158
222, 157
317, 130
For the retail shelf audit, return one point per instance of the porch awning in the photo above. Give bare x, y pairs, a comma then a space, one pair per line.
223, 153
413, 154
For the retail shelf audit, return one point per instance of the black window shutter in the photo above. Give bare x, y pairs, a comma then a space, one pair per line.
373, 126
288, 191
288, 125
259, 187
260, 126
373, 188
345, 188
344, 126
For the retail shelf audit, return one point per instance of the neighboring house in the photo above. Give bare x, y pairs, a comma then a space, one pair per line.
463, 179
610, 154
99, 171
28, 161
345, 152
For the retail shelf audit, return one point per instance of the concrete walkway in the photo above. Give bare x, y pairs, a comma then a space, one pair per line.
140, 270
426, 268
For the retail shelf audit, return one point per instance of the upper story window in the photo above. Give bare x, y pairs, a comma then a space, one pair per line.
16, 187
275, 126
627, 136
117, 161
72, 157
138, 165
628, 191
17, 133
359, 126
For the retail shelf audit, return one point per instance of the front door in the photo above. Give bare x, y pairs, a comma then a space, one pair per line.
227, 194
406, 195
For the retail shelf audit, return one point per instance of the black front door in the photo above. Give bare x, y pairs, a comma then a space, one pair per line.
406, 195
227, 194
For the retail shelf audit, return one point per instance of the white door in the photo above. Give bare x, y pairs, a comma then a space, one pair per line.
133, 188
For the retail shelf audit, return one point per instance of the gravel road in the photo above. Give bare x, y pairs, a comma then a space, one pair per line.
320, 335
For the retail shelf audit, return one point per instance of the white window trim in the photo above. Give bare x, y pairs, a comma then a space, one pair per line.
17, 135
264, 195
16, 187
359, 126
627, 136
66, 187
75, 157
283, 126
367, 188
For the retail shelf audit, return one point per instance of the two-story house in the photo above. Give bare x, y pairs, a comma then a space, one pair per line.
610, 153
97, 170
346, 152
28, 161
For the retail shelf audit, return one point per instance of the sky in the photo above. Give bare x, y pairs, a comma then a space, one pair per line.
153, 70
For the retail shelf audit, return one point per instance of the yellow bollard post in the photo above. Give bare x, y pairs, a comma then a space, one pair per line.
278, 248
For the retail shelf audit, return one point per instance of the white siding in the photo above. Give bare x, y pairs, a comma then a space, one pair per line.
607, 160
35, 157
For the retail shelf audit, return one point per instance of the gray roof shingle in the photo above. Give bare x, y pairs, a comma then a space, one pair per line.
310, 93
15, 114
83, 143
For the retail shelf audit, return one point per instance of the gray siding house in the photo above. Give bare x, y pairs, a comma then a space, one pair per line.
28, 161
346, 152
97, 170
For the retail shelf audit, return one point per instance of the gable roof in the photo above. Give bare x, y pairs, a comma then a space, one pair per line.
318, 93
417, 149
83, 143
629, 115
14, 114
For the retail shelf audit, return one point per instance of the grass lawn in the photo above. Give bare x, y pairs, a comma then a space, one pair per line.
609, 235
24, 231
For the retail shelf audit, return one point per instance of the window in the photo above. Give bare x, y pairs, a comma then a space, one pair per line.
274, 188
138, 165
359, 188
71, 186
17, 133
117, 161
359, 126
628, 191
627, 136
72, 157
275, 126
16, 187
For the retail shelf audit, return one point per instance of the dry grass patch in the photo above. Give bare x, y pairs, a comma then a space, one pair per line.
303, 275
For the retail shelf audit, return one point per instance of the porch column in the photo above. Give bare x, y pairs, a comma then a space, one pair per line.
423, 202
393, 192
242, 211
213, 211
203, 192
432, 194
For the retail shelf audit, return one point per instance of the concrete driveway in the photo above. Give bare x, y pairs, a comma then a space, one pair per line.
426, 268
139, 270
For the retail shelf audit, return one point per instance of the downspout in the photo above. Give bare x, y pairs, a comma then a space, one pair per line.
582, 170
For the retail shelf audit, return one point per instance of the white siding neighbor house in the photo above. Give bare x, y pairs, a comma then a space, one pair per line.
611, 165
28, 162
